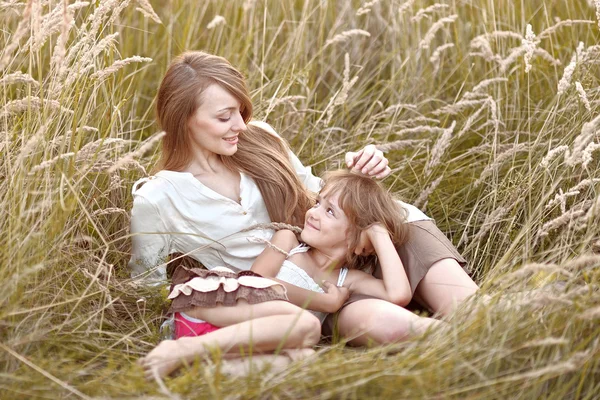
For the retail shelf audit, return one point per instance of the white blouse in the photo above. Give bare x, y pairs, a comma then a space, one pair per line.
173, 212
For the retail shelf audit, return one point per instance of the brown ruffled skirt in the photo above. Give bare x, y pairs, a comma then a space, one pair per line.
192, 285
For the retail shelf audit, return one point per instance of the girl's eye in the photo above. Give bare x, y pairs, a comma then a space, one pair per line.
224, 119
330, 211
317, 203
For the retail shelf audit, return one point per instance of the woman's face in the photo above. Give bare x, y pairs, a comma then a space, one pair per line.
215, 125
326, 225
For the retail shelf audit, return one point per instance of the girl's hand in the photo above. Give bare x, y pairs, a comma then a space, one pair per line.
368, 237
369, 161
336, 296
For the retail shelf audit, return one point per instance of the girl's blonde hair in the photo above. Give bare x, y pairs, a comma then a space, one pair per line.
365, 202
261, 155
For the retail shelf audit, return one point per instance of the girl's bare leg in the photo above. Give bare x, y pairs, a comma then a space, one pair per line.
292, 331
378, 321
242, 311
445, 286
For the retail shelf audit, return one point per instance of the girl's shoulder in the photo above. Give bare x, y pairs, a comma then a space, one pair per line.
285, 239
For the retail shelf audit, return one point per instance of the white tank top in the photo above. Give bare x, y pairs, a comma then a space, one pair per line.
291, 273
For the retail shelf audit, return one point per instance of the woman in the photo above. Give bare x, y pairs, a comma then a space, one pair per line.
222, 175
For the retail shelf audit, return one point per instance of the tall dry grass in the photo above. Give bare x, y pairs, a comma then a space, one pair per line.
490, 124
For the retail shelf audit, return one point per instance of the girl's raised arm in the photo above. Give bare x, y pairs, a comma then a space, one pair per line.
395, 286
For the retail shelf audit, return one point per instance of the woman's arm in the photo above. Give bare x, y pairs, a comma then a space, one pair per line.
150, 243
395, 286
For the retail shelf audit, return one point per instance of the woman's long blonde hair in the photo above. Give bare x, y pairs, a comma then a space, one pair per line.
261, 155
365, 202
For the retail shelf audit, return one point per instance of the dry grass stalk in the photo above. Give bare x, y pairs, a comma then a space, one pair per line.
138, 153
552, 154
424, 12
430, 35
583, 96
549, 341
341, 96
491, 219
59, 19
19, 77
567, 22
478, 90
561, 199
277, 226
499, 161
49, 163
586, 154
30, 103
110, 210
366, 8
345, 36
89, 149
439, 149
529, 44
256, 239
588, 132
11, 5
471, 120
20, 32
216, 21
423, 198
435, 57
559, 222
402, 144
117, 65
592, 313
407, 4
597, 3
565, 81
420, 129
146, 9
460, 106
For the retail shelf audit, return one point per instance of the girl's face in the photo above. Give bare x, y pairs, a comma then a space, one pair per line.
326, 225
215, 125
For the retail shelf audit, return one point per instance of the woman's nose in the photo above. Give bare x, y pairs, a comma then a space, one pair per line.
239, 125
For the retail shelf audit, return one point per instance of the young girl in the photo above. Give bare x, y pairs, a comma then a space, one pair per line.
351, 214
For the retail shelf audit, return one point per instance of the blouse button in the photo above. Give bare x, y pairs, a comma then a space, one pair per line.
245, 213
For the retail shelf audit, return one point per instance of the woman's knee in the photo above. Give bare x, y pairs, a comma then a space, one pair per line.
309, 328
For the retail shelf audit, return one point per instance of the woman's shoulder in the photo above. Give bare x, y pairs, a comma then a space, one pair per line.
155, 187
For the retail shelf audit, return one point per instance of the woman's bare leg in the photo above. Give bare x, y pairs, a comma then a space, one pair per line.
293, 331
445, 286
380, 322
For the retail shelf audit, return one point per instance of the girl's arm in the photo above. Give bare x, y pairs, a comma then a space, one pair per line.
394, 287
269, 262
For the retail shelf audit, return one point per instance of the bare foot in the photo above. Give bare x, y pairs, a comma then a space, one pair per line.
163, 359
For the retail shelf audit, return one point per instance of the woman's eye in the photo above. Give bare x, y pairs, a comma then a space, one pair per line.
224, 119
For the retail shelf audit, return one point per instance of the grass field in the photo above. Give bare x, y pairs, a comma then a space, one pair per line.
489, 112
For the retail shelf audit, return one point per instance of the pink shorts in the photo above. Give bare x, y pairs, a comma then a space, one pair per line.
189, 326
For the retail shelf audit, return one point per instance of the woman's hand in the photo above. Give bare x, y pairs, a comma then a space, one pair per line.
368, 238
336, 296
369, 161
